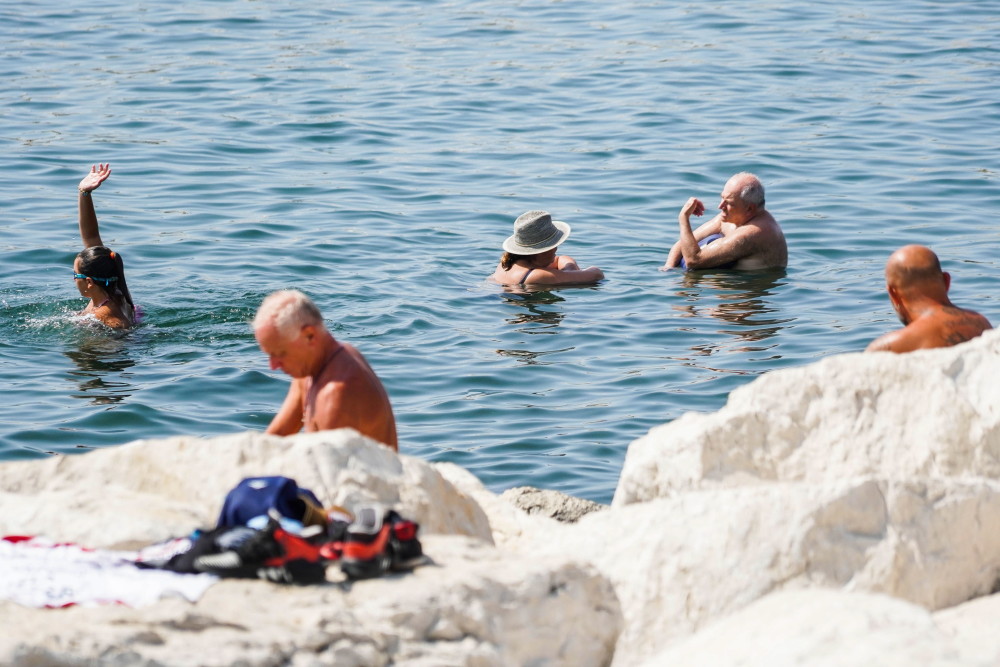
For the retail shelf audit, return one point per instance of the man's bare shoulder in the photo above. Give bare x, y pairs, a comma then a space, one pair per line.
761, 244
949, 326
959, 325
347, 368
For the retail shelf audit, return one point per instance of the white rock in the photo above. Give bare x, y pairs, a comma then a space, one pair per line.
973, 626
508, 524
472, 605
820, 628
496, 610
924, 414
151, 490
679, 563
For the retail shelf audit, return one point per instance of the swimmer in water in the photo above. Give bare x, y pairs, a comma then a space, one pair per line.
530, 258
918, 291
743, 236
98, 271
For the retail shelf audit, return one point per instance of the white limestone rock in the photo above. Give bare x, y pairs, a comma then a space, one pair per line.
475, 606
821, 628
973, 626
679, 563
508, 523
471, 605
151, 490
933, 413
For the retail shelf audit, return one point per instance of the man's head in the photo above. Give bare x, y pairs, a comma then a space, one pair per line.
742, 198
289, 329
913, 273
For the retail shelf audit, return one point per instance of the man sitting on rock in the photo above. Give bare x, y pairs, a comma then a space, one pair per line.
332, 384
918, 290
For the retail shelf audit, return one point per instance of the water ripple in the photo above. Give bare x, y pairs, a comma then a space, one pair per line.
375, 154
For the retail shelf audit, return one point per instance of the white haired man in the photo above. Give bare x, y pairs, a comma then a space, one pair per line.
332, 384
743, 236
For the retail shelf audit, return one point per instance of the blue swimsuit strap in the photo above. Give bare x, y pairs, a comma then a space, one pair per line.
525, 277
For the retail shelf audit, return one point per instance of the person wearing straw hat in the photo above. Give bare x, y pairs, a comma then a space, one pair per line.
530, 258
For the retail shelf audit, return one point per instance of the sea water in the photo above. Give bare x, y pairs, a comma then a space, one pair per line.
375, 155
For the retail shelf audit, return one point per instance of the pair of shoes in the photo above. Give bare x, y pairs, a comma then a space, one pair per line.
271, 553
377, 541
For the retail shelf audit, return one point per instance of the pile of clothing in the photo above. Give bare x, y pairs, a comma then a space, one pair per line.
272, 529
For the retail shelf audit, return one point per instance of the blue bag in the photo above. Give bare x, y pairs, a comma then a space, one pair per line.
255, 496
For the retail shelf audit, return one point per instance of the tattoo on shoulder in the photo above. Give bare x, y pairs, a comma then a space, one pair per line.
954, 338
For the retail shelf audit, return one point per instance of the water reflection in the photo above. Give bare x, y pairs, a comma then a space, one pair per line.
532, 317
97, 357
741, 299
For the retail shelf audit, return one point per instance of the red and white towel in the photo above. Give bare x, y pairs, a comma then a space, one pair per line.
37, 572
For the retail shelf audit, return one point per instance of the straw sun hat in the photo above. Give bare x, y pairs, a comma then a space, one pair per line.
534, 233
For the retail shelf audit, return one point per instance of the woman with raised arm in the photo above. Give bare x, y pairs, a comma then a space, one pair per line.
99, 271
530, 257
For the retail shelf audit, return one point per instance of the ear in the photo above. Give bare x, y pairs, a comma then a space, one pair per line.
893, 296
308, 332
947, 280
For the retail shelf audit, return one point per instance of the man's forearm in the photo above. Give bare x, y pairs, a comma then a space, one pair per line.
688, 243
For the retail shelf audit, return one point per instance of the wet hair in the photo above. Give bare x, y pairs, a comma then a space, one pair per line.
289, 311
508, 259
106, 268
753, 191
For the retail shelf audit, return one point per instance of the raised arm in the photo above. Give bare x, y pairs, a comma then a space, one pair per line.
89, 231
688, 242
713, 226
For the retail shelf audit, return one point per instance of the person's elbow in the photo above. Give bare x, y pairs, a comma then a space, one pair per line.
697, 262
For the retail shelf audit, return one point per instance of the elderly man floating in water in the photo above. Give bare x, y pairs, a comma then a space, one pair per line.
743, 236
918, 290
332, 384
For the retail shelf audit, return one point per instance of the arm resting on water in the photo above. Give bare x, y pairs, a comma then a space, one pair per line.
547, 276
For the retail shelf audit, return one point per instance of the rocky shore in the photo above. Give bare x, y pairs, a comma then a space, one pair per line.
840, 513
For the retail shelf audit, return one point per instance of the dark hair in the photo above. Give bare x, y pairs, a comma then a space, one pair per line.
508, 259
105, 266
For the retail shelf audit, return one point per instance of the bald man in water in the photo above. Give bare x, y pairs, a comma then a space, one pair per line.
332, 384
743, 236
918, 290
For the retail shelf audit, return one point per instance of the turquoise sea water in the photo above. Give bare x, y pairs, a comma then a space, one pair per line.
375, 155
